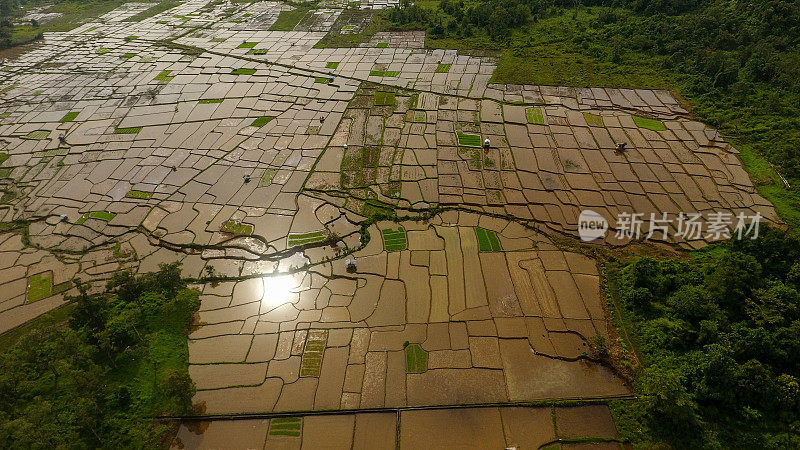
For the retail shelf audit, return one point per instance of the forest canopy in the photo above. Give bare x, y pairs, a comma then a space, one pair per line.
100, 379
720, 339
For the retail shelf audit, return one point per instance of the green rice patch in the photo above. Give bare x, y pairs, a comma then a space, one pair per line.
90, 29
261, 121
102, 215
164, 77
384, 99
127, 56
204, 101
247, 45
332, 65
131, 38
416, 359
468, 140
3, 157
127, 130
323, 80
443, 68
217, 40
4, 115
40, 286
258, 51
238, 228
382, 45
313, 350
535, 116
38, 134
268, 176
243, 72
139, 194
298, 239
487, 240
649, 124
101, 51
70, 116
593, 120
394, 239
384, 73
348, 28
286, 426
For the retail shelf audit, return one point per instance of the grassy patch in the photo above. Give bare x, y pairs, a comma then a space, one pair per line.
261, 121
204, 101
74, 14
237, 228
247, 45
127, 130
40, 286
102, 215
468, 140
242, 71
164, 76
127, 56
152, 11
3, 157
769, 184
101, 51
266, 179
70, 116
38, 134
297, 239
593, 119
287, 20
534, 115
142, 195
369, 21
383, 98
650, 124
258, 51
52, 319
286, 426
443, 68
384, 73
394, 239
382, 45
416, 359
487, 240
332, 65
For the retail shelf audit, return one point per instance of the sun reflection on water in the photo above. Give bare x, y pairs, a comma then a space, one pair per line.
278, 289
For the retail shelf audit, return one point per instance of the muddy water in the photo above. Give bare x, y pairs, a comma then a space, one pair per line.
486, 427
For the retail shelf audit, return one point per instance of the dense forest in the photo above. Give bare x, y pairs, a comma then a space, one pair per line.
720, 339
98, 380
